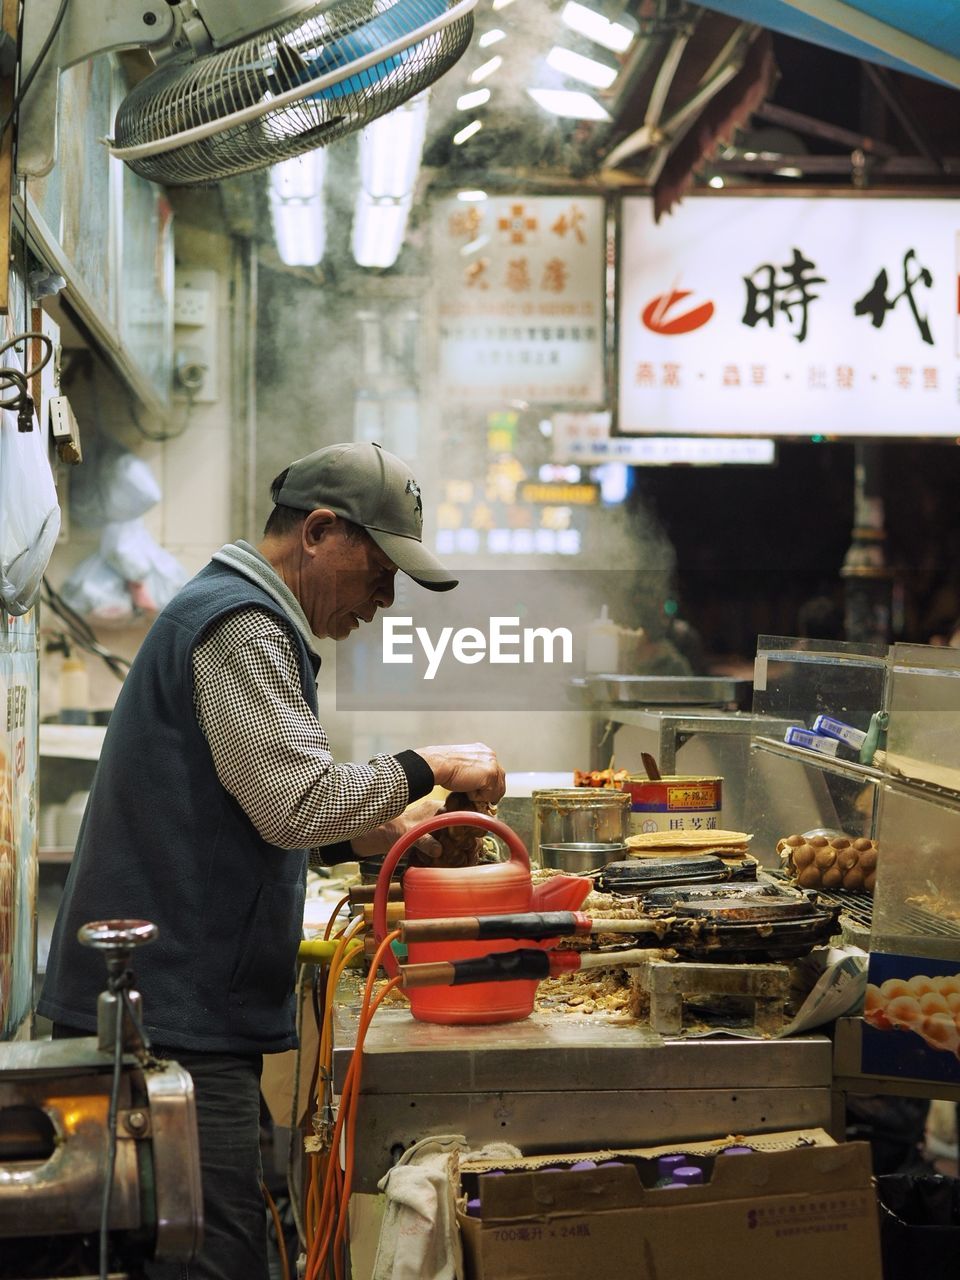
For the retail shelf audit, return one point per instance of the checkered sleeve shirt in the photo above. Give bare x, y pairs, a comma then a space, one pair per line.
271, 753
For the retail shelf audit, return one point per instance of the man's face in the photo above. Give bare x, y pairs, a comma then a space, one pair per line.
349, 580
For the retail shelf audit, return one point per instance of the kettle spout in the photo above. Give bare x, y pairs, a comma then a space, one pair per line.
561, 893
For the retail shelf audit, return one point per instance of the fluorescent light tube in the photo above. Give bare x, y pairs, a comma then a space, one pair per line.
468, 130
587, 22
570, 103
297, 208
596, 74
467, 101
494, 36
378, 230
486, 69
390, 150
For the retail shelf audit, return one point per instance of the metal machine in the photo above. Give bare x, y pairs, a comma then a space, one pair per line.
71, 1111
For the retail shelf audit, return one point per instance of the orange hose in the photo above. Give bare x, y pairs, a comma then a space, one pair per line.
331, 1224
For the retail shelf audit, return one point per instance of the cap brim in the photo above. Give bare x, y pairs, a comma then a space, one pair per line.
412, 558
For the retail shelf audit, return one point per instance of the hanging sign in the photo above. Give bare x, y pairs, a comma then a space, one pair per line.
768, 316
520, 299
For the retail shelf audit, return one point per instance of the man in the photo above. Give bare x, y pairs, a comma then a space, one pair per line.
214, 782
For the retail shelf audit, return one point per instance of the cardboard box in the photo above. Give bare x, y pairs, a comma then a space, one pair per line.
799, 1206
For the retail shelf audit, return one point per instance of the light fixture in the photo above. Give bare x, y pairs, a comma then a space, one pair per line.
467, 101
789, 171
486, 69
716, 182
297, 208
587, 22
379, 226
390, 151
500, 4
493, 36
596, 74
570, 103
468, 130
471, 197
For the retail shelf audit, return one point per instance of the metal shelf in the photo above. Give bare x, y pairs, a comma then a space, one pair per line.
827, 764
860, 772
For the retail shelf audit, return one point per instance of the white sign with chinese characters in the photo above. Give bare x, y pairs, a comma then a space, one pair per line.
790, 316
520, 299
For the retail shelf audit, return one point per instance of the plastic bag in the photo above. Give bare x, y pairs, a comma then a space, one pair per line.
29, 512
160, 583
113, 486
95, 590
128, 548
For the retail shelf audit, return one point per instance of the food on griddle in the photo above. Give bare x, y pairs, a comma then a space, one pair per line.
929, 1007
653, 844
835, 862
607, 779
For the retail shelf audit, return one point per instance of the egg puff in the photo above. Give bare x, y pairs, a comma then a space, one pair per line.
920, 984
933, 1002
904, 1011
894, 987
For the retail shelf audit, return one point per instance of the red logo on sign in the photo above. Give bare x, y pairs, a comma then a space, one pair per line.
655, 314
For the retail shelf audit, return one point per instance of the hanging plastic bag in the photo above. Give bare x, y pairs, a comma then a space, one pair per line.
29, 512
113, 485
96, 591
128, 548
160, 583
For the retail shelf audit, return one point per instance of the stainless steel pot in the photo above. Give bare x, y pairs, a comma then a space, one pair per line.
581, 856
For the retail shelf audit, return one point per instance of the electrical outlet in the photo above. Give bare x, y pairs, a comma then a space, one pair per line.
196, 336
191, 307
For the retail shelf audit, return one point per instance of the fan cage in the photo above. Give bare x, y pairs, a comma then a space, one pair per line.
320, 42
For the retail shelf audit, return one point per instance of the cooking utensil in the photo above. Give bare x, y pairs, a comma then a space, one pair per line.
650, 764
582, 857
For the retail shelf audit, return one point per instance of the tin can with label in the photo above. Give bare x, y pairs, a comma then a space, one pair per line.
674, 803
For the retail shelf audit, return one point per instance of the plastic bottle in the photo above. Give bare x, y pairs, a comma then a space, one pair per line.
603, 645
686, 1175
736, 1150
74, 692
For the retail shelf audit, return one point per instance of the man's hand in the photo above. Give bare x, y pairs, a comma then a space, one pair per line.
470, 767
382, 839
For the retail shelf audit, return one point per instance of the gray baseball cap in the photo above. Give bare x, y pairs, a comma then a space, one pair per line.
375, 489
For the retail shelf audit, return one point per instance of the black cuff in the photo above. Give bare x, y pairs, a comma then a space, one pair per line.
328, 855
420, 779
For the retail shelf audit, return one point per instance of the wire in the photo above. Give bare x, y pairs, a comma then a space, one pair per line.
329, 1237
278, 1228
20, 378
81, 633
37, 63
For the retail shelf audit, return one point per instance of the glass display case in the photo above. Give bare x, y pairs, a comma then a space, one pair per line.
793, 788
873, 754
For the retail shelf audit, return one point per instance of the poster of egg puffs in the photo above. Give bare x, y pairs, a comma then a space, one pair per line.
911, 1017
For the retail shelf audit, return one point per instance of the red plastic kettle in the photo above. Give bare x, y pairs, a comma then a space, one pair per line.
495, 888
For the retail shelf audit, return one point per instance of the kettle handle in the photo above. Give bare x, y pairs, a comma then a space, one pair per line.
460, 818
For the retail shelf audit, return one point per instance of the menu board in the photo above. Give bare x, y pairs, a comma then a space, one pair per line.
18, 817
519, 285
776, 315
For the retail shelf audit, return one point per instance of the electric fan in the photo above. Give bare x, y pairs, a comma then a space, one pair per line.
298, 85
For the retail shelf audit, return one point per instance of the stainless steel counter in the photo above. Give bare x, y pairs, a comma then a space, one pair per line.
556, 1083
